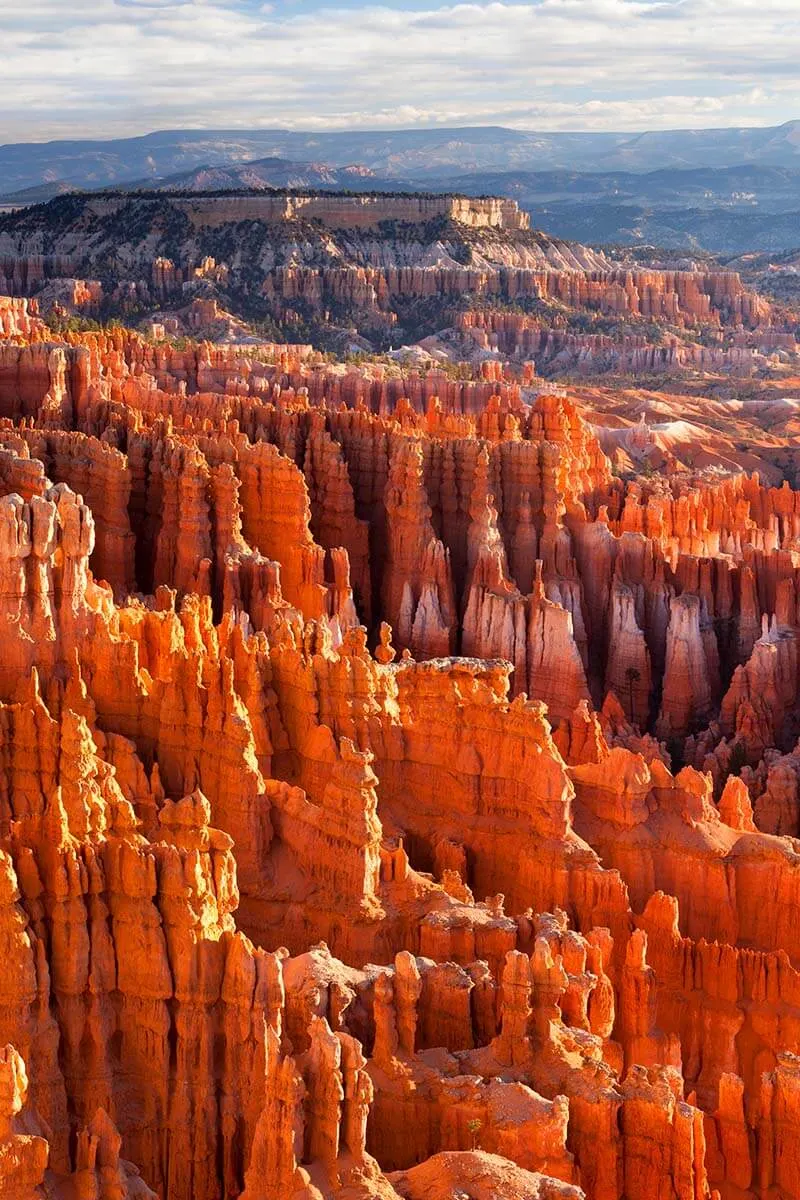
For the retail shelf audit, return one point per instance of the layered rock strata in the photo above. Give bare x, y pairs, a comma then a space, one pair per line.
393, 800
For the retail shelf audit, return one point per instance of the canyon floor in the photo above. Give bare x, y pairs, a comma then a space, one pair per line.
399, 763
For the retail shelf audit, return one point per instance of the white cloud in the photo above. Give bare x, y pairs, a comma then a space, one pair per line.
110, 67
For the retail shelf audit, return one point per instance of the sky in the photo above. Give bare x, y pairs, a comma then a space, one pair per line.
113, 68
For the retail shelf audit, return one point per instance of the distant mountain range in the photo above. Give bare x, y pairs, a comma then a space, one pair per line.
398, 154
720, 190
269, 173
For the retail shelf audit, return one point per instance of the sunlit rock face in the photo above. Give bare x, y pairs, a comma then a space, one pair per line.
394, 800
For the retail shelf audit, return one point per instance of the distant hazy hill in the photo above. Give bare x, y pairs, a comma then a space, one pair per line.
268, 173
399, 154
726, 210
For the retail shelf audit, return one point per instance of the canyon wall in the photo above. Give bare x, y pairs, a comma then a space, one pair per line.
362, 211
394, 801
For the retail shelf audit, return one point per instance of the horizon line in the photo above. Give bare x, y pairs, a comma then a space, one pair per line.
287, 129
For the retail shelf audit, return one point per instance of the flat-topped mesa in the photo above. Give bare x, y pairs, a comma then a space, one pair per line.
338, 211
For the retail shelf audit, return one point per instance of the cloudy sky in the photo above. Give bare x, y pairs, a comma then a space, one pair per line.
116, 67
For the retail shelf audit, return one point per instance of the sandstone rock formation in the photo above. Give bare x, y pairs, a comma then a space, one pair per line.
386, 270
394, 801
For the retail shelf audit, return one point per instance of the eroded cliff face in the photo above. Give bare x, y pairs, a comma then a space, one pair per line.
464, 279
675, 306
334, 211
382, 243
393, 801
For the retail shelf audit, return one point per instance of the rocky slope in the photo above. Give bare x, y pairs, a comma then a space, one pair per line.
108, 233
395, 802
727, 210
370, 272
